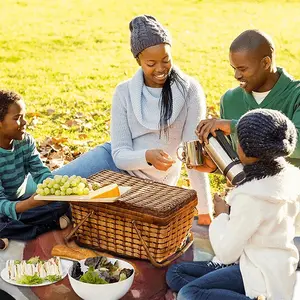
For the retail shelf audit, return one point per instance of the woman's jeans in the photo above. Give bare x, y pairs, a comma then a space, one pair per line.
89, 163
204, 280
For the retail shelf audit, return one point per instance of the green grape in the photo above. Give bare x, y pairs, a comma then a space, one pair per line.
81, 185
95, 186
52, 191
84, 181
67, 184
56, 186
74, 190
65, 178
57, 193
72, 177
69, 191
44, 185
86, 191
63, 188
62, 193
47, 180
42, 193
74, 183
57, 178
50, 185
40, 186
80, 192
39, 191
46, 191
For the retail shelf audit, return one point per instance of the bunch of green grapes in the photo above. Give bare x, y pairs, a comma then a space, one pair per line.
63, 186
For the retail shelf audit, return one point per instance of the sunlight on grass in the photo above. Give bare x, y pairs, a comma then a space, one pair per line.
70, 55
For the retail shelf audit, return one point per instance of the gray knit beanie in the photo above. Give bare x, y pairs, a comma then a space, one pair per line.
266, 134
146, 31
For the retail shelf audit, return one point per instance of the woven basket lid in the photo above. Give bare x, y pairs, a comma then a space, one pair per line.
146, 196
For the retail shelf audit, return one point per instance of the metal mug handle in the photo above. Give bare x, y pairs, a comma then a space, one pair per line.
180, 158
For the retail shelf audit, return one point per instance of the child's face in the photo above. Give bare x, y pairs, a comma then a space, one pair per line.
245, 160
14, 124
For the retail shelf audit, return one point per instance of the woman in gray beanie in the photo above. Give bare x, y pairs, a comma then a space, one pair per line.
152, 114
255, 256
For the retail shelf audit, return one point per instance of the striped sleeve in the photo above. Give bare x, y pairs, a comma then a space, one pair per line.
36, 167
7, 207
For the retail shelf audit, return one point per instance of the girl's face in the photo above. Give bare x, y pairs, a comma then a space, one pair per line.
14, 124
156, 62
245, 160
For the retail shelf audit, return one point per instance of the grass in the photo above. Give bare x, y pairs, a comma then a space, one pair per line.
68, 55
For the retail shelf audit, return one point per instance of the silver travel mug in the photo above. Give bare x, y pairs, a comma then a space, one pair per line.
193, 153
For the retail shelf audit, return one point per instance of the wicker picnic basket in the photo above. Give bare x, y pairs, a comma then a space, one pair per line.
150, 221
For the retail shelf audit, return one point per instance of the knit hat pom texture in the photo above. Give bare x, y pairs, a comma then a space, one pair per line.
146, 32
266, 134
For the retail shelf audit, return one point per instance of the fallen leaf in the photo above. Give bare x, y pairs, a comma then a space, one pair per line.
50, 111
83, 136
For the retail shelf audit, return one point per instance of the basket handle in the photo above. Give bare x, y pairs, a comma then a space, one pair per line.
73, 231
167, 261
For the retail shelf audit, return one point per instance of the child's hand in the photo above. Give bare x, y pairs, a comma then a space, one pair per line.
29, 204
220, 205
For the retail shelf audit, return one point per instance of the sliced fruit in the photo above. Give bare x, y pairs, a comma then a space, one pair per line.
108, 191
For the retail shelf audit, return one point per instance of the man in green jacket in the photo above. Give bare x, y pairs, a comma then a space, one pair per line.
262, 85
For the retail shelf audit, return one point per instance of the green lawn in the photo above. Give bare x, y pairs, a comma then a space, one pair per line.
66, 56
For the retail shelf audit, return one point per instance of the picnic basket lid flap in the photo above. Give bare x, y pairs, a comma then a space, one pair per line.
146, 196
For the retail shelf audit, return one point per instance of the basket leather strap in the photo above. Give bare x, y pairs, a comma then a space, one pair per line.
167, 261
73, 231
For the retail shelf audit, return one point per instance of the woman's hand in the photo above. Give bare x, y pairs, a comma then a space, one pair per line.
205, 127
220, 205
159, 159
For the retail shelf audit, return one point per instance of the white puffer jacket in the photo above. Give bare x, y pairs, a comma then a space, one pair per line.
259, 233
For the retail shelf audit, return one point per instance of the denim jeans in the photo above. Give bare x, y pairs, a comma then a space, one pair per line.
33, 222
89, 163
206, 281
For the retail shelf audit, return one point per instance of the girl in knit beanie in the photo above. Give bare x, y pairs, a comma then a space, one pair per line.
152, 114
255, 256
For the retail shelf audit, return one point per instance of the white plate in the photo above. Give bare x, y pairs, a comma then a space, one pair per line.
77, 198
65, 264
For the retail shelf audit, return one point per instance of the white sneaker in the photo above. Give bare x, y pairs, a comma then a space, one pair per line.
3, 243
64, 222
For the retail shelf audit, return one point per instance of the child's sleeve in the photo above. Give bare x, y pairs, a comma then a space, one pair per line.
7, 207
297, 221
230, 234
36, 167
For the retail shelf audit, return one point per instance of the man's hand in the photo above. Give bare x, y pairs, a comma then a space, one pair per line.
220, 205
159, 159
205, 127
29, 203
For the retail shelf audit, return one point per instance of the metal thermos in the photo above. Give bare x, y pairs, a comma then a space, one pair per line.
226, 159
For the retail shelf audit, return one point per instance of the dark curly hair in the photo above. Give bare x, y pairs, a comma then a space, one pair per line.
7, 98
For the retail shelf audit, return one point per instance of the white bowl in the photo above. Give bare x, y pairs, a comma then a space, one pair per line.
110, 291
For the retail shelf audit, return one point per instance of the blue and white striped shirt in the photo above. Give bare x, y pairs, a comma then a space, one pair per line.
15, 165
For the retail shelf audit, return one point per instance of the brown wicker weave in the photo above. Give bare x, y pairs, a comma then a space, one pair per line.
150, 221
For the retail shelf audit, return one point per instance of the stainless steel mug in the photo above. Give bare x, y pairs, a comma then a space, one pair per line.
193, 153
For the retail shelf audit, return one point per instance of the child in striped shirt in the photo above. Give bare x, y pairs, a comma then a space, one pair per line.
22, 217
